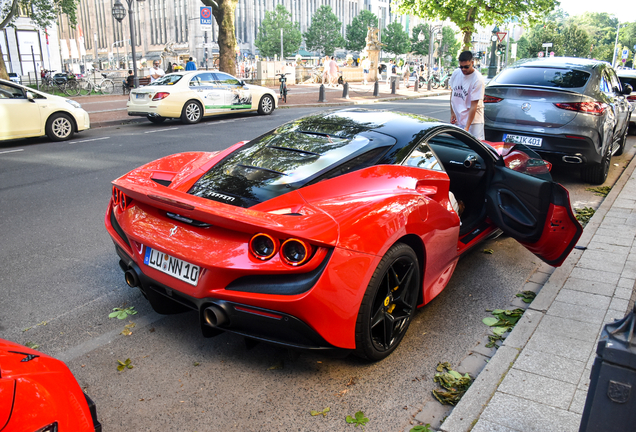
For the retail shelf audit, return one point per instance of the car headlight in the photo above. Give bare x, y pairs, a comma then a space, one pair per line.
75, 104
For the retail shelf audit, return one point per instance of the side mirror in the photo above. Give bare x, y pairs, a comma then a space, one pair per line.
627, 89
30, 96
241, 83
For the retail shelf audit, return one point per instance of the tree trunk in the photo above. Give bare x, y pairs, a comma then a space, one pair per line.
223, 11
467, 43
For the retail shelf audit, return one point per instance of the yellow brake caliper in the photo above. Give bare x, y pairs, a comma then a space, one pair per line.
387, 301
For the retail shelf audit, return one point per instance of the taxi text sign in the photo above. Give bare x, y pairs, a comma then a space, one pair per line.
205, 16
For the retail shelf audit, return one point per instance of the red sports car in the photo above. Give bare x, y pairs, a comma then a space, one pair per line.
40, 394
328, 231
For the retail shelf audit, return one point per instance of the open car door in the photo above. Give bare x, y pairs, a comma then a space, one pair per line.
527, 205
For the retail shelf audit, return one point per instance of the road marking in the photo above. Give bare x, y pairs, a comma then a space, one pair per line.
11, 151
87, 140
161, 130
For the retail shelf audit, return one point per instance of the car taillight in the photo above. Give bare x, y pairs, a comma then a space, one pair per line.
120, 199
631, 98
492, 99
263, 246
295, 252
160, 95
594, 108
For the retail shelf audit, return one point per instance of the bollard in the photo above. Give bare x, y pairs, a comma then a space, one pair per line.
610, 398
376, 88
345, 91
416, 86
321, 94
393, 81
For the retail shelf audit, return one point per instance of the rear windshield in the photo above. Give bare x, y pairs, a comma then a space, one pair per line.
628, 80
167, 80
543, 77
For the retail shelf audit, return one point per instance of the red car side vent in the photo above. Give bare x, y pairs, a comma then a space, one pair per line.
594, 108
171, 202
160, 95
492, 99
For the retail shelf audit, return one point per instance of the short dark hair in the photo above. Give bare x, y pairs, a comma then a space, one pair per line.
129, 72
465, 56
190, 58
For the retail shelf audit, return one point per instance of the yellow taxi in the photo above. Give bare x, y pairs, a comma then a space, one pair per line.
25, 112
192, 95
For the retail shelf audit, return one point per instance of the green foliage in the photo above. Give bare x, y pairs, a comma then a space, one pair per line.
358, 419
421, 428
122, 313
324, 33
32, 345
527, 296
43, 13
420, 47
121, 365
268, 38
454, 383
357, 30
395, 39
502, 322
600, 190
323, 412
584, 215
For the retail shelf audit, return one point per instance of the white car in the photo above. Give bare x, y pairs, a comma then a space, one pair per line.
25, 112
192, 95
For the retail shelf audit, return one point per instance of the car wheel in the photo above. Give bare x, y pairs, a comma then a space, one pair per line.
597, 173
59, 127
621, 142
192, 112
388, 304
266, 105
156, 119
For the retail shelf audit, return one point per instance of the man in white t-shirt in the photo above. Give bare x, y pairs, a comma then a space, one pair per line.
156, 72
467, 97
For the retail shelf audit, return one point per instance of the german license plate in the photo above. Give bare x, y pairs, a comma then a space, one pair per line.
140, 96
520, 139
172, 266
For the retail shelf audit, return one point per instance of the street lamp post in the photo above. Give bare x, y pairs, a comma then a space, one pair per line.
434, 29
492, 68
119, 13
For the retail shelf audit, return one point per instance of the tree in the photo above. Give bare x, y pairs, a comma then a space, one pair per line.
223, 11
420, 47
467, 14
323, 34
449, 46
395, 39
601, 28
268, 38
357, 30
41, 12
576, 42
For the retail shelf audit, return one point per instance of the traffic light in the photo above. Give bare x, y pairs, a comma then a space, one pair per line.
499, 49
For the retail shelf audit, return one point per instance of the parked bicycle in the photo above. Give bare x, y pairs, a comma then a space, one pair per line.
105, 86
62, 82
437, 81
283, 86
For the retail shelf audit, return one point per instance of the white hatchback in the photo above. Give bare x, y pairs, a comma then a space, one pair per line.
25, 112
192, 95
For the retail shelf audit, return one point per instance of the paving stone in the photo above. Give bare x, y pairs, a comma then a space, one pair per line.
577, 313
433, 413
517, 302
595, 275
545, 268
486, 426
550, 366
592, 287
629, 273
583, 299
549, 342
602, 260
621, 241
538, 388
613, 315
584, 384
623, 293
619, 304
624, 203
520, 334
539, 277
569, 328
578, 403
482, 349
472, 364
532, 286
601, 246
528, 416
617, 220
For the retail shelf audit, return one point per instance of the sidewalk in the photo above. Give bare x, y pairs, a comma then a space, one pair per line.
538, 379
111, 110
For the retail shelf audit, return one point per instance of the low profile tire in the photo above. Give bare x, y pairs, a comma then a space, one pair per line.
266, 105
597, 174
388, 304
192, 112
156, 119
621, 142
59, 127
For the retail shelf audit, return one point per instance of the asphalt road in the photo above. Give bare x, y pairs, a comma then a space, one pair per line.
60, 280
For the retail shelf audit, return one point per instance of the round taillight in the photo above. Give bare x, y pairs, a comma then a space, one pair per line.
116, 196
263, 246
295, 252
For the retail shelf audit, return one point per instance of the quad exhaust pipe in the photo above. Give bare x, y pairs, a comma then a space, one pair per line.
214, 316
572, 159
132, 278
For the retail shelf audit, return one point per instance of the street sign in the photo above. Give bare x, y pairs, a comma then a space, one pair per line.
501, 36
551, 53
205, 16
547, 45
439, 36
625, 53
540, 54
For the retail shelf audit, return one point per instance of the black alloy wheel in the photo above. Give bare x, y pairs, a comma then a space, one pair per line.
192, 112
388, 304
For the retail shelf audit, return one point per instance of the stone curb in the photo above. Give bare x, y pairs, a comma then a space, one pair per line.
468, 411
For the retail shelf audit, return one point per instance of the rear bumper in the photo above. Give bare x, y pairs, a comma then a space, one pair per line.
556, 148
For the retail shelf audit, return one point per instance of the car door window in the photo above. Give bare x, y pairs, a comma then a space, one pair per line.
225, 79
605, 86
10, 92
202, 79
614, 82
424, 157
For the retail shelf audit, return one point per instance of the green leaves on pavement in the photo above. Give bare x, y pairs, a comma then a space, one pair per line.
421, 428
527, 296
600, 190
122, 313
124, 364
454, 383
502, 322
584, 215
323, 412
359, 419
32, 345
